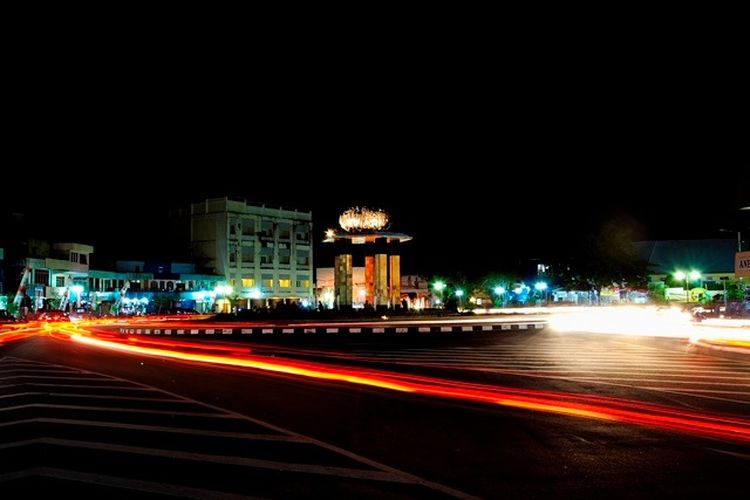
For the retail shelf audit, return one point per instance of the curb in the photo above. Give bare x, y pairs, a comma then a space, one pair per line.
502, 327
735, 353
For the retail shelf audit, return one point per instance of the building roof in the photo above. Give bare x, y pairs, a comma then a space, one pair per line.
365, 237
705, 256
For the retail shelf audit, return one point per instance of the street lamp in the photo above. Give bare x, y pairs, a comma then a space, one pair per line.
459, 294
541, 286
439, 286
691, 276
739, 237
500, 292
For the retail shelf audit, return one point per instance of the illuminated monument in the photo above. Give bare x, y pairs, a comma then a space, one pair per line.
365, 236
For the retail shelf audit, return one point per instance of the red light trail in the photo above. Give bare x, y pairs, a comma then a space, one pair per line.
584, 406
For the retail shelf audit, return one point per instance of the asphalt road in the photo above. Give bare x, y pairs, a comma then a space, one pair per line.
198, 430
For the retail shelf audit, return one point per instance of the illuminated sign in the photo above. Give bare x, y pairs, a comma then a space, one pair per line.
742, 265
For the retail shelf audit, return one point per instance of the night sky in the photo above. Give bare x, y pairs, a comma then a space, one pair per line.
481, 171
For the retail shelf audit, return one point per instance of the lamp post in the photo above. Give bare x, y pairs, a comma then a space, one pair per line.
439, 286
691, 276
739, 237
459, 294
541, 286
500, 292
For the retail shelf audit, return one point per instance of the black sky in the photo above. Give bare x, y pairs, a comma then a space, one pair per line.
482, 163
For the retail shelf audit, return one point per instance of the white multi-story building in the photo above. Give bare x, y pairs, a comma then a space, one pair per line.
263, 253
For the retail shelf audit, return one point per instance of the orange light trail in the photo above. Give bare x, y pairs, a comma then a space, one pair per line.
232, 361
573, 405
18, 332
582, 406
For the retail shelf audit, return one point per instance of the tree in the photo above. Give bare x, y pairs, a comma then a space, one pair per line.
485, 287
604, 258
163, 301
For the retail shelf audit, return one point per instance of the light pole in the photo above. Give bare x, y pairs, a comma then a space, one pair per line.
691, 276
500, 291
739, 237
541, 286
439, 286
459, 294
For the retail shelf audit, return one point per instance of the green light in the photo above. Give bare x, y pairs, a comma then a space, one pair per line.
438, 285
679, 275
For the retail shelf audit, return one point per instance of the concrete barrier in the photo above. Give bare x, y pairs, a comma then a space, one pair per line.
307, 330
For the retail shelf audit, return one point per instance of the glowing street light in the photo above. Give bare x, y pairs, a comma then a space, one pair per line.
541, 286
439, 286
459, 294
500, 292
687, 277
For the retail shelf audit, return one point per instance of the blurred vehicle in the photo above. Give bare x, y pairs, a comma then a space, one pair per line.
178, 311
5, 317
52, 315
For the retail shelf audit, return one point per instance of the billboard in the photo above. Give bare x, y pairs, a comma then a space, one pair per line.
742, 265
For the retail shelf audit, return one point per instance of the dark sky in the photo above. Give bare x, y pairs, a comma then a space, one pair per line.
482, 163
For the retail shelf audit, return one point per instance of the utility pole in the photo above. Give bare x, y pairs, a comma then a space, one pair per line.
739, 237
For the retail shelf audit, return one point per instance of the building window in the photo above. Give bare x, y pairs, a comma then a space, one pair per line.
248, 282
41, 277
74, 257
266, 229
303, 258
248, 254
267, 283
59, 281
303, 283
303, 234
83, 258
285, 283
232, 282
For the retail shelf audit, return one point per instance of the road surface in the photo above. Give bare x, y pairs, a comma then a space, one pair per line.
76, 416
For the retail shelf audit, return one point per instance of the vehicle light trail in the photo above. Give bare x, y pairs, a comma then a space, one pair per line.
583, 406
18, 332
236, 361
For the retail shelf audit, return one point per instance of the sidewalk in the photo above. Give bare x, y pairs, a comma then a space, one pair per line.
725, 336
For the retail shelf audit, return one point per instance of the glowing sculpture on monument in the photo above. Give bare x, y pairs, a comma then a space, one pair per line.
360, 219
